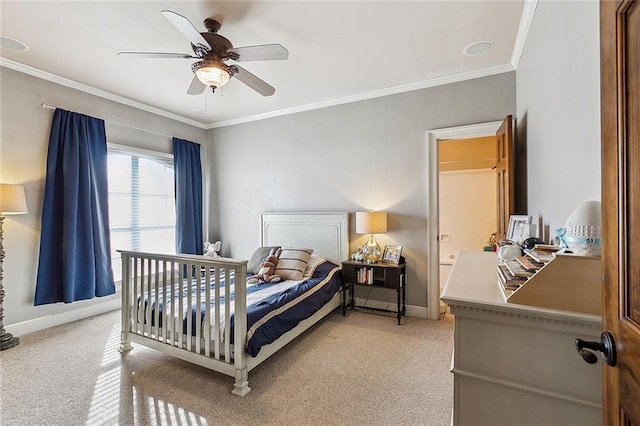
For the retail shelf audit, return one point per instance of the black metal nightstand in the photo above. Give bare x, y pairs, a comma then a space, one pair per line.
381, 275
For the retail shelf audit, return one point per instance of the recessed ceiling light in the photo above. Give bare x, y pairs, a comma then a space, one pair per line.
477, 48
13, 44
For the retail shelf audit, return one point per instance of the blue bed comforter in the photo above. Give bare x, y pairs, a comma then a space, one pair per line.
272, 309
272, 317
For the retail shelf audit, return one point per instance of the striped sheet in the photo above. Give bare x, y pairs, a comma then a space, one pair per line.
289, 301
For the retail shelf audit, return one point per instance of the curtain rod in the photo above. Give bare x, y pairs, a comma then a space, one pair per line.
45, 106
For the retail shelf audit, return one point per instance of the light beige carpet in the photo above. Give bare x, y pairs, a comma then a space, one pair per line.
361, 369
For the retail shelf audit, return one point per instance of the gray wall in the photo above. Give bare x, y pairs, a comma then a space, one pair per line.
364, 155
558, 104
24, 137
323, 160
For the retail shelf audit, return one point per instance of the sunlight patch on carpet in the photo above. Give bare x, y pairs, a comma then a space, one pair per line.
105, 401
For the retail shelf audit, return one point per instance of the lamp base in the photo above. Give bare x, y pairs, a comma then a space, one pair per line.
371, 250
7, 341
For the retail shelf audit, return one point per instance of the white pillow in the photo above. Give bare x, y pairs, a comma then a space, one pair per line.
292, 262
314, 262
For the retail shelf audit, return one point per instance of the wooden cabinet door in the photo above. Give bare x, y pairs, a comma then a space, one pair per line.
505, 190
620, 79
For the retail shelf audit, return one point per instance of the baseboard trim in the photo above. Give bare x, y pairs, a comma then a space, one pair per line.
71, 315
53, 320
412, 310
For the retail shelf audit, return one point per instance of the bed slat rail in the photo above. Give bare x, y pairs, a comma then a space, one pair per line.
168, 299
170, 328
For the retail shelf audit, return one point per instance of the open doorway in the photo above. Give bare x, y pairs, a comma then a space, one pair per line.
467, 198
433, 225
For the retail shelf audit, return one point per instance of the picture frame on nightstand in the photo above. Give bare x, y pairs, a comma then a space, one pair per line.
392, 254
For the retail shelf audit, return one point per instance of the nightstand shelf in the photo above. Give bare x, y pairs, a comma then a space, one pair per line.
379, 275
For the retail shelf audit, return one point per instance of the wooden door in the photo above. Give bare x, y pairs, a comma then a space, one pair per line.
505, 176
620, 93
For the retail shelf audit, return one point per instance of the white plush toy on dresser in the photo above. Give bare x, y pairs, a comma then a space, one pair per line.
212, 249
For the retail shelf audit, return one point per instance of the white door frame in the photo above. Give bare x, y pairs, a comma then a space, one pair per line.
433, 219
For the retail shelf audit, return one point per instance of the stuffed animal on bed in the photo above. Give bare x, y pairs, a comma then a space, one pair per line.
212, 249
267, 269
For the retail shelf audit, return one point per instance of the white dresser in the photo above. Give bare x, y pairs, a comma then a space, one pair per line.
515, 364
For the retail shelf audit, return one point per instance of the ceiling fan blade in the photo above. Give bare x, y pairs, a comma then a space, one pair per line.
186, 28
196, 87
254, 82
157, 55
264, 52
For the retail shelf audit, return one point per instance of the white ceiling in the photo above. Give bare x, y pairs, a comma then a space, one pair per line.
339, 51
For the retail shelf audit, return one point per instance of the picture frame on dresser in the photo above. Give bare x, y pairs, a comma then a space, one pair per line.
392, 254
515, 220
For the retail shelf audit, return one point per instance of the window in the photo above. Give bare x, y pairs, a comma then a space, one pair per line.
141, 203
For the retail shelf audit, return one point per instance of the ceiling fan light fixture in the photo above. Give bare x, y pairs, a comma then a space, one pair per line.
212, 73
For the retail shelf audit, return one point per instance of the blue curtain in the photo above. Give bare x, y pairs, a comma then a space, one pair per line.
188, 177
75, 253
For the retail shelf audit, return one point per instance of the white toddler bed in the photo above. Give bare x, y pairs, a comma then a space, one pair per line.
159, 291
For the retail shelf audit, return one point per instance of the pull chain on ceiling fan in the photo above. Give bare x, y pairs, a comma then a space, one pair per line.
213, 51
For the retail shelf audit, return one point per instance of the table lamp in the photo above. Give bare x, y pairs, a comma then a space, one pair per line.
371, 223
12, 202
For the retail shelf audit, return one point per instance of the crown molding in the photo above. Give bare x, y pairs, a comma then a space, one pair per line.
523, 31
63, 81
423, 84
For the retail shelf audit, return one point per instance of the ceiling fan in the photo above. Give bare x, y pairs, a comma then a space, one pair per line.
213, 51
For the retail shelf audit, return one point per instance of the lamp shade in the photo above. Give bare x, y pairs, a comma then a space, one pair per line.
371, 222
12, 200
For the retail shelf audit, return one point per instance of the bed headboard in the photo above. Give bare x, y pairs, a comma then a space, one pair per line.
326, 233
